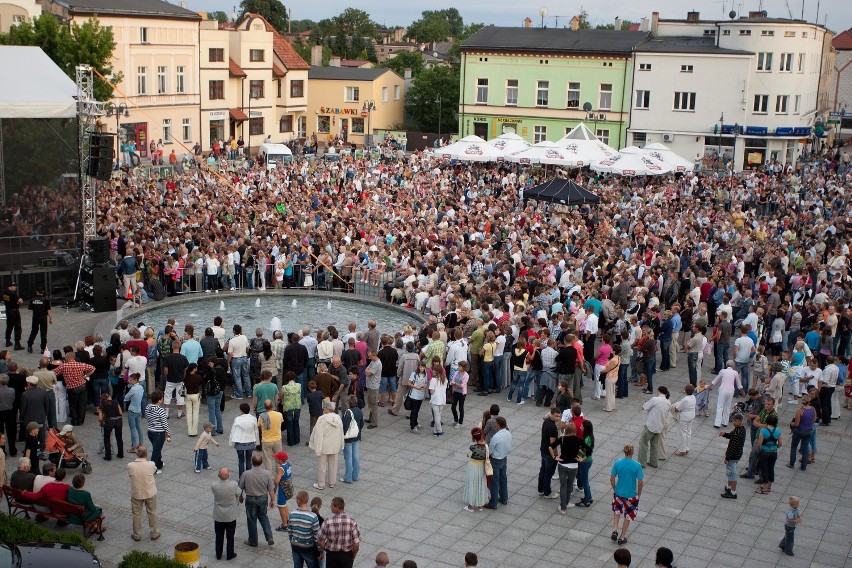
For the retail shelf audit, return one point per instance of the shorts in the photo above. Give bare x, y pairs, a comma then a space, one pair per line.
625, 506
731, 470
388, 384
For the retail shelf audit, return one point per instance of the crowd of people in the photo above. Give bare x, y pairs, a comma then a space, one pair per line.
748, 274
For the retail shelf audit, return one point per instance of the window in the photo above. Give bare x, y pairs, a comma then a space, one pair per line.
143, 35
167, 130
644, 67
745, 32
786, 62
217, 90
764, 61
511, 92
605, 98
781, 104
769, 33
640, 138
323, 124
801, 66
396, 92
17, 20
607, 63
161, 80
297, 88
603, 135
141, 80
789, 34
351, 94
286, 123
255, 55
726, 32
709, 32
482, 91
539, 134
278, 88
186, 130
542, 93
643, 99
797, 104
256, 88
761, 103
256, 125
180, 79
804, 34
573, 95
358, 126
216, 54
384, 94
684, 101
686, 68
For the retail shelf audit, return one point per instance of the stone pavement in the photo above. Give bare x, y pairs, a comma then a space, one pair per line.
409, 498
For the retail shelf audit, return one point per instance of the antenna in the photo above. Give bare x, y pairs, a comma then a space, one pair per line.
556, 20
543, 13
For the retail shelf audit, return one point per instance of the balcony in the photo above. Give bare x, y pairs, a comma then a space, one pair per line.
166, 99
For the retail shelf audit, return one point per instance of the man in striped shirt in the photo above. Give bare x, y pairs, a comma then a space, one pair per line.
158, 428
303, 526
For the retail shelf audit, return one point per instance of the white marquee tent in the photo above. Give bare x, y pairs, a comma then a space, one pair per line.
631, 161
509, 143
547, 153
34, 87
583, 147
469, 149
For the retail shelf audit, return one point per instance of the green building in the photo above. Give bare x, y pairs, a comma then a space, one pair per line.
538, 82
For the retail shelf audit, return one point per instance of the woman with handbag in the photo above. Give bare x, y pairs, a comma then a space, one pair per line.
476, 482
353, 424
417, 393
284, 489
768, 442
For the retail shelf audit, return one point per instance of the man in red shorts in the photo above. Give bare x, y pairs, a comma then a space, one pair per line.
626, 480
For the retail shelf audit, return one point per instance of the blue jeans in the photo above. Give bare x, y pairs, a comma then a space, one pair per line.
100, 386
304, 557
721, 356
256, 508
244, 460
302, 378
650, 366
742, 369
157, 440
787, 542
311, 369
520, 379
692, 365
802, 437
250, 279
533, 377
134, 421
352, 456
214, 412
487, 372
499, 482
545, 473
293, 430
583, 480
242, 379
201, 459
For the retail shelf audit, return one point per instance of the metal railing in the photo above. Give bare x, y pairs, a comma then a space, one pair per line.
34, 252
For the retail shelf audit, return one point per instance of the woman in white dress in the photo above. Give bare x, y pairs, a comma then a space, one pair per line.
684, 410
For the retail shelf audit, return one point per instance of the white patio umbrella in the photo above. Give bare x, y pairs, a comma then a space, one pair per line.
631, 161
547, 153
469, 149
583, 147
665, 155
509, 143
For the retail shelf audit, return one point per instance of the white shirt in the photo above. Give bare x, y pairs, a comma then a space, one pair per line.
591, 323
219, 333
137, 365
686, 408
439, 392
744, 346
829, 375
238, 346
212, 266
658, 408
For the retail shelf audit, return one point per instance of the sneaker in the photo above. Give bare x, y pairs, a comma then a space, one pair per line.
232, 288
235, 398
197, 471
552, 496
158, 472
457, 426
569, 506
522, 402
208, 467
180, 415
562, 511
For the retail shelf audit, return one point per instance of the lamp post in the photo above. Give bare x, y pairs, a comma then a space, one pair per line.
734, 157
719, 138
117, 110
368, 107
438, 100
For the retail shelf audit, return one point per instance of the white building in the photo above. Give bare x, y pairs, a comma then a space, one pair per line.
695, 80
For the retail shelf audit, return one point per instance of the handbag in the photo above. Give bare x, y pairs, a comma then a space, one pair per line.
489, 469
407, 403
353, 430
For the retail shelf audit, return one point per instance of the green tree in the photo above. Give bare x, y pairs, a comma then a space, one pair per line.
403, 60
354, 22
273, 10
426, 88
69, 46
433, 26
455, 21
219, 16
299, 26
584, 20
303, 49
455, 50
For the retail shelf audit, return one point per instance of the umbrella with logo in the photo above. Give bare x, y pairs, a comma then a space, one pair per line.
469, 149
583, 147
545, 153
631, 161
665, 155
509, 143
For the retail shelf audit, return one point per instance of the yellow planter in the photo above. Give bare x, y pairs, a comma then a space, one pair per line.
189, 553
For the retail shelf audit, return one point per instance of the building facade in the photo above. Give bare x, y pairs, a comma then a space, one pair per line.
351, 103
541, 82
750, 88
840, 88
13, 12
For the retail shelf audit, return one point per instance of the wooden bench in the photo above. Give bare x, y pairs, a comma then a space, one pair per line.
19, 506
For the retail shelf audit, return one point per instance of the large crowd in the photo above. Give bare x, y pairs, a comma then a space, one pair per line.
748, 274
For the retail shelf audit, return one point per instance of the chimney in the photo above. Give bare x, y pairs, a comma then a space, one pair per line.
316, 55
406, 73
655, 22
575, 23
644, 25
692, 16
334, 61
527, 22
617, 24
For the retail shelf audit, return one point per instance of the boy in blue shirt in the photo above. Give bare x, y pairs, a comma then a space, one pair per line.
792, 519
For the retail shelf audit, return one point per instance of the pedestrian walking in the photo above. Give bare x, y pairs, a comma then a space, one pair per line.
792, 519
143, 493
627, 482
258, 491
226, 499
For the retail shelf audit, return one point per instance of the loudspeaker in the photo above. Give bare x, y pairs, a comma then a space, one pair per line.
101, 156
99, 251
103, 297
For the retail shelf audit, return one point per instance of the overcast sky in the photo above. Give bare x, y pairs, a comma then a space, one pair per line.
835, 14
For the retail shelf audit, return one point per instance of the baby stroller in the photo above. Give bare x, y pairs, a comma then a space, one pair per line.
58, 452
738, 408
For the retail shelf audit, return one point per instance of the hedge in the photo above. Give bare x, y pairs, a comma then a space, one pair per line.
137, 559
17, 529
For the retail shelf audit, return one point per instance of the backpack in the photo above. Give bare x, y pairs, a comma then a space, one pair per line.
165, 345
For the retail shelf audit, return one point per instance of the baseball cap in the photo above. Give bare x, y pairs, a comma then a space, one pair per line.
737, 416
281, 456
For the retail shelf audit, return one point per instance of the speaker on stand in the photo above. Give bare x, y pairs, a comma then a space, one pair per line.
101, 156
99, 251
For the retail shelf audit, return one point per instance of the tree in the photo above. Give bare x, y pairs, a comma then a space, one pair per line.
299, 26
403, 60
433, 26
584, 20
69, 46
354, 22
420, 100
273, 10
219, 16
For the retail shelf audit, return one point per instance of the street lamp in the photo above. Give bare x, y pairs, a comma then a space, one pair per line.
368, 107
719, 158
734, 157
255, 97
438, 100
117, 110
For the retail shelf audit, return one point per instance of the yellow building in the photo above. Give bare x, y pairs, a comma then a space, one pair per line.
157, 52
13, 12
253, 84
349, 102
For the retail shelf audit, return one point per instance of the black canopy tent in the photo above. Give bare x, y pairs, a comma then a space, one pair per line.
563, 191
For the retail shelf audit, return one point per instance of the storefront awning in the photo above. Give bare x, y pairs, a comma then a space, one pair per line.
237, 115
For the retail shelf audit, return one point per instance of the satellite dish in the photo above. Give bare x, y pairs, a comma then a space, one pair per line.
587, 107
542, 11
732, 14
764, 13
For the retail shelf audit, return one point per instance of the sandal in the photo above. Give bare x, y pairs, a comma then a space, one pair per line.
761, 491
382, 404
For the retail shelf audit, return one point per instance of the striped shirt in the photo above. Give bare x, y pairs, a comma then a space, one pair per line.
736, 441
303, 527
158, 418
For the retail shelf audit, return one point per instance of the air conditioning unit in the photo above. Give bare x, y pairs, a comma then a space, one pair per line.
668, 137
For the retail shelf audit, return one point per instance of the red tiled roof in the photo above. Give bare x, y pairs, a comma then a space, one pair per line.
277, 72
237, 114
292, 61
843, 41
234, 69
